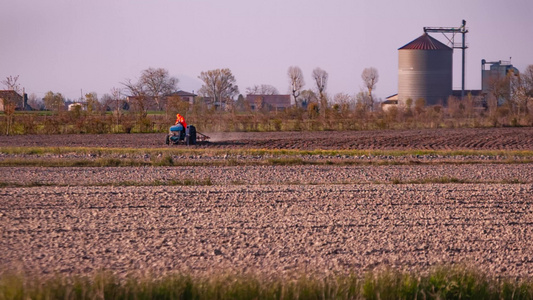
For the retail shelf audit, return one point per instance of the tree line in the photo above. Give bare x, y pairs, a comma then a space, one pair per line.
218, 85
150, 106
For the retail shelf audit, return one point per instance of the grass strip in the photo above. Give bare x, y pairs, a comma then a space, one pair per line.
441, 283
172, 182
112, 162
209, 182
55, 162
96, 151
445, 179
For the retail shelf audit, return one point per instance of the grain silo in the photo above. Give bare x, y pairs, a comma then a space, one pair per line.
425, 71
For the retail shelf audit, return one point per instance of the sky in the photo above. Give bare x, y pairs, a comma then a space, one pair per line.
76, 46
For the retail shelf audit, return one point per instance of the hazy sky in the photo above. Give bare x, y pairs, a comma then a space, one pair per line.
71, 45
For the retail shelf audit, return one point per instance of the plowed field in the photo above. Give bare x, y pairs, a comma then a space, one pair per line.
271, 219
426, 139
267, 229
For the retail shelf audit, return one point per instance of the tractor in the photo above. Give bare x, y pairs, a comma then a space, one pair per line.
178, 134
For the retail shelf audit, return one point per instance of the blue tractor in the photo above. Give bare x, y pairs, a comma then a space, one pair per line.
178, 134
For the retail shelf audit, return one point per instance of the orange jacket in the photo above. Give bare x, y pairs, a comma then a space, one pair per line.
180, 119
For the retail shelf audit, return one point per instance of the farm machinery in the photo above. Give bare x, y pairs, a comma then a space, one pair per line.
178, 134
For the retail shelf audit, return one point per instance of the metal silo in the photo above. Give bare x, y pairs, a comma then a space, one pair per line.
425, 71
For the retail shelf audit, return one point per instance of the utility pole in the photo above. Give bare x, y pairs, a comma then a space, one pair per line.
453, 30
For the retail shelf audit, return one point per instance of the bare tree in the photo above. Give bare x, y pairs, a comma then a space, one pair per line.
54, 101
263, 89
296, 80
35, 103
114, 102
344, 101
526, 84
370, 78
499, 91
308, 96
107, 102
157, 83
9, 104
363, 102
11, 83
9, 112
321, 80
117, 99
220, 85
138, 97
527, 77
93, 103
521, 91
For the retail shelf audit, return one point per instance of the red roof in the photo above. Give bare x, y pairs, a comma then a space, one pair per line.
425, 42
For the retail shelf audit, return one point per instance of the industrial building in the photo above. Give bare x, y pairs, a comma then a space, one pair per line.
497, 71
425, 70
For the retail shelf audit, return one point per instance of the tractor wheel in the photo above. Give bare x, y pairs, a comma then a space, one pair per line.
192, 135
167, 140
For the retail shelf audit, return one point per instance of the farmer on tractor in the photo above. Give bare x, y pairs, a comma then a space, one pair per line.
181, 119
180, 132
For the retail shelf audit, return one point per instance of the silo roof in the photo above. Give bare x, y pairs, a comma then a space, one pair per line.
425, 42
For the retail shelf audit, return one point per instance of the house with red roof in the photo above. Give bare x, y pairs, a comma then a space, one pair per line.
11, 96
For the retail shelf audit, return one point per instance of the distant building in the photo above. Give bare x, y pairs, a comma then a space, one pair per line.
77, 105
425, 72
209, 102
185, 96
10, 96
269, 102
391, 101
492, 78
